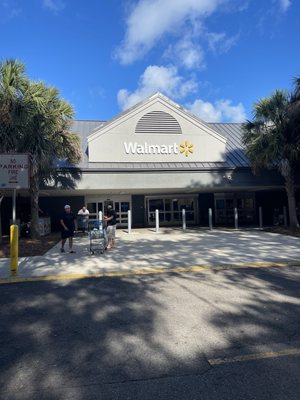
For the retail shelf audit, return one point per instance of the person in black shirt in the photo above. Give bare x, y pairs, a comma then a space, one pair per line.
111, 221
67, 222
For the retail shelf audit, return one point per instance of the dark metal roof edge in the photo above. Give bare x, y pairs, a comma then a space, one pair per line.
161, 169
151, 170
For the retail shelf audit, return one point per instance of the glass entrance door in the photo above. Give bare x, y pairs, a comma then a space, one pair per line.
225, 203
170, 210
122, 208
94, 207
120, 204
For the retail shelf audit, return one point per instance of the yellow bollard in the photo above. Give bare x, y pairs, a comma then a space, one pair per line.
14, 249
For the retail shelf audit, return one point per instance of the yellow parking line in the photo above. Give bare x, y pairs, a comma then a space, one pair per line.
255, 356
149, 271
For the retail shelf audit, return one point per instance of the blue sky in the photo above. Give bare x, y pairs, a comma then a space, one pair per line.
213, 57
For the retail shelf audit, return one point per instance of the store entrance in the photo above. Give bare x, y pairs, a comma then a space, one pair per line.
121, 206
225, 203
170, 209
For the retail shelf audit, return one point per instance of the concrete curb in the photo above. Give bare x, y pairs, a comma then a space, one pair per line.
150, 271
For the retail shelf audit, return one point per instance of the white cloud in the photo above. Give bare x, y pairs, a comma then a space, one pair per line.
54, 5
151, 19
219, 42
10, 9
167, 80
157, 78
284, 5
220, 111
186, 53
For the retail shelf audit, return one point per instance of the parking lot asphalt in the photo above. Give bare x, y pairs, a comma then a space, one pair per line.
210, 335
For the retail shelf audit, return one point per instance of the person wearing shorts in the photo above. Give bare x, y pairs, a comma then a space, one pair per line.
67, 223
111, 221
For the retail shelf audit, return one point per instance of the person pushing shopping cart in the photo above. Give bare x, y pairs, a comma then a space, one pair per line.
111, 222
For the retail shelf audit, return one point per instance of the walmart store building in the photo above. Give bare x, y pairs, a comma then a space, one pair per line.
157, 155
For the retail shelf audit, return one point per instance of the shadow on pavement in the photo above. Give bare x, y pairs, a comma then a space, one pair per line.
116, 338
167, 251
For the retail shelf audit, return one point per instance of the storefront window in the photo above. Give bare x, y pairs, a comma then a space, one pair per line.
249, 203
156, 204
119, 205
229, 203
124, 206
92, 208
167, 205
225, 204
170, 210
220, 204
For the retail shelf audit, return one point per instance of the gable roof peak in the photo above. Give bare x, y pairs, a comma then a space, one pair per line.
153, 96
152, 99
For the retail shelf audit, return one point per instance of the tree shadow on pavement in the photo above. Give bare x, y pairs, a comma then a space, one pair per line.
66, 340
167, 251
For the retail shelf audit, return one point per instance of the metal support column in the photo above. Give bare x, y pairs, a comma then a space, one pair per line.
260, 217
183, 219
236, 218
156, 220
129, 221
210, 219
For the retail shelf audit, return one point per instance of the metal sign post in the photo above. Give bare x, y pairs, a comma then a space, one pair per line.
14, 206
14, 174
14, 238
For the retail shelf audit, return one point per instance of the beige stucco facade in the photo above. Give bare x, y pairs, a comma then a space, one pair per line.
118, 140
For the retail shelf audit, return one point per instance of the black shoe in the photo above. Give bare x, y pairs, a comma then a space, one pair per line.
62, 250
72, 251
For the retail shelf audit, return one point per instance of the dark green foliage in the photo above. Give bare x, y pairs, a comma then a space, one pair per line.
272, 138
35, 120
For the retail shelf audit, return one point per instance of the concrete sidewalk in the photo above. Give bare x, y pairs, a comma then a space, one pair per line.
170, 248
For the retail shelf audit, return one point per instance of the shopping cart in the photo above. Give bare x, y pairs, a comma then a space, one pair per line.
97, 236
82, 223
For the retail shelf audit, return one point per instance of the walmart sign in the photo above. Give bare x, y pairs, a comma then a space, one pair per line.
146, 148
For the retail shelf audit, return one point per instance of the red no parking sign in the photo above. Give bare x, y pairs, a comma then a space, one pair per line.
14, 171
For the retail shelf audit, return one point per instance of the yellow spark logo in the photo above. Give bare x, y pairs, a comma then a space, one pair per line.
186, 148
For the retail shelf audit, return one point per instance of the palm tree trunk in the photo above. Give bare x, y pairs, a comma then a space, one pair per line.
34, 201
288, 173
290, 190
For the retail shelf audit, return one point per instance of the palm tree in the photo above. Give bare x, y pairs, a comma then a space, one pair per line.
294, 112
35, 120
12, 84
272, 141
297, 87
